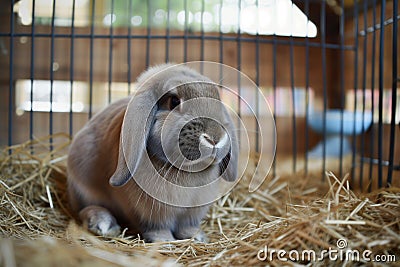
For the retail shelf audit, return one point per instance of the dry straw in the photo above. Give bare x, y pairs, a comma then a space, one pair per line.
288, 213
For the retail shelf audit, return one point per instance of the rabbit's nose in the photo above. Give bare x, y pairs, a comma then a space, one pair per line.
207, 140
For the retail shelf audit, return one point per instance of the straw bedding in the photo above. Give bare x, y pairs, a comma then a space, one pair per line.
290, 212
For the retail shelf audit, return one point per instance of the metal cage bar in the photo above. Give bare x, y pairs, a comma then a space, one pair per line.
292, 88
93, 9
372, 140
307, 85
32, 72
355, 85
381, 73
71, 69
11, 82
342, 89
394, 94
324, 83
110, 55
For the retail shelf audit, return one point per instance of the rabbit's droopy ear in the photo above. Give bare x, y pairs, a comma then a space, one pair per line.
138, 120
229, 165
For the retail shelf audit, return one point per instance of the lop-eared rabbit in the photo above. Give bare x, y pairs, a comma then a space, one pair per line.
181, 146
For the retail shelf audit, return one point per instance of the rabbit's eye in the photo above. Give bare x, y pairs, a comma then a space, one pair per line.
174, 101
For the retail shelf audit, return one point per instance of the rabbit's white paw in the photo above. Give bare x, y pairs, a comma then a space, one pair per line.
100, 221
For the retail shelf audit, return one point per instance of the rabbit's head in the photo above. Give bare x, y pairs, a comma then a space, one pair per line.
177, 117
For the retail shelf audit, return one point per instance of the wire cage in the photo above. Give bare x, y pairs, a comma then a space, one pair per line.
327, 68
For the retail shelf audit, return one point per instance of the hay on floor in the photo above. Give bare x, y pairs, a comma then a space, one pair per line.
289, 213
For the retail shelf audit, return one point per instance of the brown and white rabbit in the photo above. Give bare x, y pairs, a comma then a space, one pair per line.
154, 124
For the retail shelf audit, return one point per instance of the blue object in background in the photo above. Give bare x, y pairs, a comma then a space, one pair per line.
353, 122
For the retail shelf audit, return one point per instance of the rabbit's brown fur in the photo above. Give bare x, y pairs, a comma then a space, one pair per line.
101, 190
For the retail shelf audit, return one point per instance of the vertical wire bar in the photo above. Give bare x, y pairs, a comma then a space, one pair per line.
394, 95
167, 40
372, 141
91, 59
324, 85
307, 11
110, 52
380, 106
11, 83
342, 90
355, 85
364, 85
294, 131
71, 70
239, 67
53, 16
221, 42
185, 32
257, 62
202, 37
129, 45
32, 72
274, 83
148, 33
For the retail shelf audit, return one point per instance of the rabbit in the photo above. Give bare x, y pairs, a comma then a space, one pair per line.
102, 178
